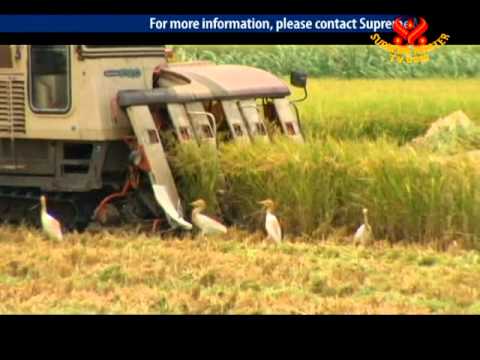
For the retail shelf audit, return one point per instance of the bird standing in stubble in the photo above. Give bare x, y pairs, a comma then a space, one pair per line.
50, 225
364, 234
272, 225
207, 225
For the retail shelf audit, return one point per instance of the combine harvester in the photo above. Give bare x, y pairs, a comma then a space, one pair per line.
86, 126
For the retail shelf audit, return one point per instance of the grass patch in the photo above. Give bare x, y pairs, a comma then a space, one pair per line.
428, 261
113, 273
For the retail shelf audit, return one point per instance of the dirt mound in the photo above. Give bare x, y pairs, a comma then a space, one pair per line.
453, 134
449, 123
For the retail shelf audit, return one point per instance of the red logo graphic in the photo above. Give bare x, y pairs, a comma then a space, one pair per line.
411, 33
409, 44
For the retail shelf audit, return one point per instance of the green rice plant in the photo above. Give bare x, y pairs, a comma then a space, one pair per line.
412, 195
417, 197
198, 173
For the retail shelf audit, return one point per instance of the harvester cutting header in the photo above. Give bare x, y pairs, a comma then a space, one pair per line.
86, 126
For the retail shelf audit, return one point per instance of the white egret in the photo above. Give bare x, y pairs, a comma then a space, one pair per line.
272, 225
50, 225
207, 225
364, 234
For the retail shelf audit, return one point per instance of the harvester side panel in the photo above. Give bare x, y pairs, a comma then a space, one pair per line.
181, 123
204, 127
235, 121
255, 124
288, 119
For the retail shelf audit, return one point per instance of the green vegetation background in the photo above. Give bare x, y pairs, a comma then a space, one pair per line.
339, 61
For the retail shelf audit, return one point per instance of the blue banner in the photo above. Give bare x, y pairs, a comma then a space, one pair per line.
196, 23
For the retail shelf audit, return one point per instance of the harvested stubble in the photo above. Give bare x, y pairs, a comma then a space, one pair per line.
125, 272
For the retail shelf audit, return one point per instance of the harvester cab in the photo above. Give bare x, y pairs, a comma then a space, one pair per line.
85, 125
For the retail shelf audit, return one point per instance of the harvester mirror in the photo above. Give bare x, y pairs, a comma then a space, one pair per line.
298, 79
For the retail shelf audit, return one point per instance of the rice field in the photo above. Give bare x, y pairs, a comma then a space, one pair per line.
423, 206
368, 109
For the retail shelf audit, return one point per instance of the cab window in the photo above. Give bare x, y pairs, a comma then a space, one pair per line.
50, 78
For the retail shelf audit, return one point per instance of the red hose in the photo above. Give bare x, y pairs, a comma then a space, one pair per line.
128, 185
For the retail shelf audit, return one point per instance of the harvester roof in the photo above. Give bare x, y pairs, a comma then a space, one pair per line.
205, 82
